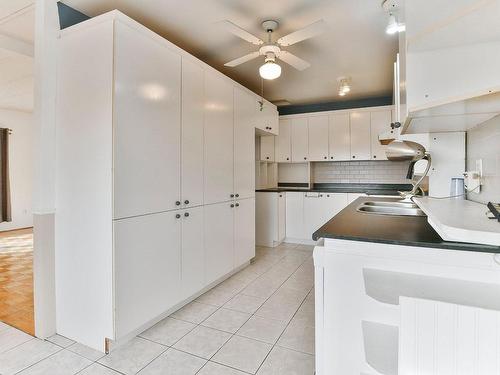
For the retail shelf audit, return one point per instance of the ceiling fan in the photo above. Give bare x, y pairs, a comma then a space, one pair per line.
273, 50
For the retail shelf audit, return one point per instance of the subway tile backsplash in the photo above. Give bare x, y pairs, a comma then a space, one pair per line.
388, 172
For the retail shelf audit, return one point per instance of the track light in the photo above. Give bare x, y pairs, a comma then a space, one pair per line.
393, 26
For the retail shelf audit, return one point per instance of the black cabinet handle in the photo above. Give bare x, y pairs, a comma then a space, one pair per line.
331, 157
232, 205
232, 195
281, 196
287, 158
186, 214
267, 157
178, 216
354, 156
237, 195
237, 204
186, 202
325, 157
305, 158
374, 156
177, 203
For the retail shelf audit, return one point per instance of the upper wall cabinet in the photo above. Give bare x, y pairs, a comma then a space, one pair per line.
147, 124
360, 136
193, 106
339, 135
267, 148
379, 123
300, 142
218, 139
452, 59
267, 117
318, 138
244, 144
284, 146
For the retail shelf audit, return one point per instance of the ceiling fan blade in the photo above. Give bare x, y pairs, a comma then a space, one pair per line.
307, 32
243, 34
243, 59
293, 60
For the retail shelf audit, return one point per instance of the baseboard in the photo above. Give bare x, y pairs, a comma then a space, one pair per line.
300, 241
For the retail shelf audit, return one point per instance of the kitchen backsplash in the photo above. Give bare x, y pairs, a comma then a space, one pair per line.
360, 172
483, 142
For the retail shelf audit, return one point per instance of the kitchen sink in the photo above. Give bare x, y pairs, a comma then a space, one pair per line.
390, 208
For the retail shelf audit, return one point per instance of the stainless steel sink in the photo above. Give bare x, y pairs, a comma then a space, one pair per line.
390, 208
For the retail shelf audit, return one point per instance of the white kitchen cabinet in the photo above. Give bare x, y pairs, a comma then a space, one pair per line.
319, 208
360, 135
193, 107
244, 144
146, 124
339, 136
124, 154
218, 139
284, 141
219, 240
270, 218
267, 117
267, 147
147, 268
244, 231
295, 215
318, 138
380, 122
192, 251
300, 142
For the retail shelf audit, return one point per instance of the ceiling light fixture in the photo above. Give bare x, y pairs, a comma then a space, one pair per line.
344, 85
270, 70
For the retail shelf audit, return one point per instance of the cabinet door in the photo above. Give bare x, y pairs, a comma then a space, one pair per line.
219, 240
339, 136
267, 147
244, 231
318, 138
244, 144
379, 122
147, 268
300, 146
146, 125
314, 216
193, 252
274, 121
218, 139
333, 204
360, 136
284, 141
281, 217
295, 215
193, 101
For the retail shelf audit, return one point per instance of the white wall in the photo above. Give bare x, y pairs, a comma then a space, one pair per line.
21, 167
483, 143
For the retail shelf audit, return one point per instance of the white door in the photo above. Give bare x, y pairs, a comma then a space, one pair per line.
218, 139
267, 147
360, 136
193, 102
244, 144
146, 125
318, 138
339, 135
244, 231
193, 251
300, 146
147, 268
284, 141
295, 215
281, 217
219, 240
380, 122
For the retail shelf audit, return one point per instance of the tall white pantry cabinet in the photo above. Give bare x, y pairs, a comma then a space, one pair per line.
155, 179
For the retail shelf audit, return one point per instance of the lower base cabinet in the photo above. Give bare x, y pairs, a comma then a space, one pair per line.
244, 231
193, 251
147, 268
270, 218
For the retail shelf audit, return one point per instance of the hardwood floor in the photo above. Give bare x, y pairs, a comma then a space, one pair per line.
16, 279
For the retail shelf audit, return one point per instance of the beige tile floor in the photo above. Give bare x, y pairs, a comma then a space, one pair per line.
259, 321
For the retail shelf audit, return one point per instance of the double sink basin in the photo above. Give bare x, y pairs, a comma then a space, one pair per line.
396, 208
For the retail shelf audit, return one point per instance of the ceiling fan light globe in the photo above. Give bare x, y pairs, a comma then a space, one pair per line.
270, 70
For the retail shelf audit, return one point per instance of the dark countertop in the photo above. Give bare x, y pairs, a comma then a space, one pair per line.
350, 224
370, 189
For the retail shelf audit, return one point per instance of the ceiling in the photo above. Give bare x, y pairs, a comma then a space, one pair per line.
17, 23
354, 45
